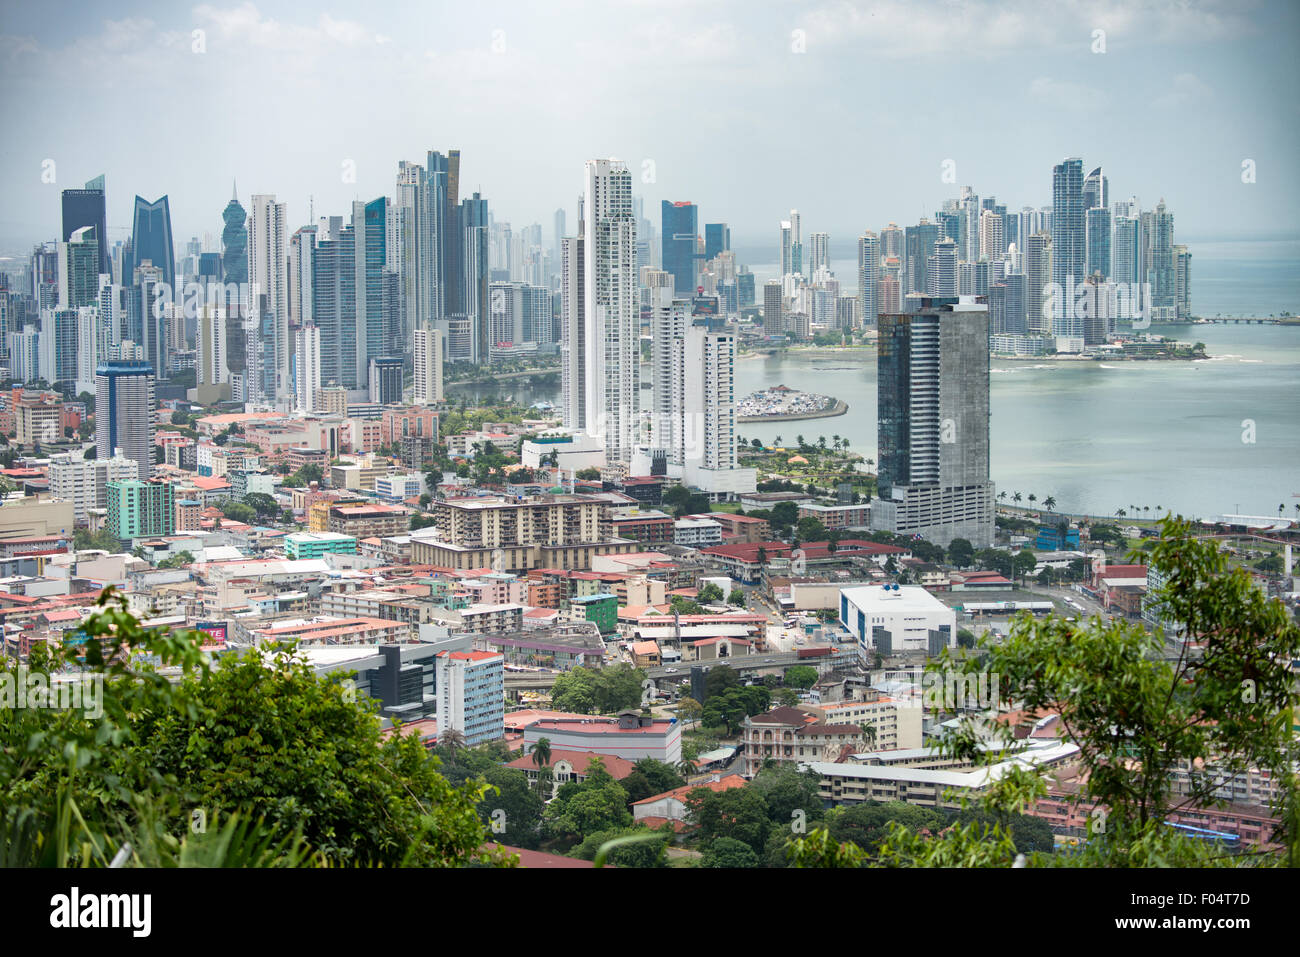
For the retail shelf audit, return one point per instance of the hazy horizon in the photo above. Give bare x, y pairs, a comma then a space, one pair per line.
705, 99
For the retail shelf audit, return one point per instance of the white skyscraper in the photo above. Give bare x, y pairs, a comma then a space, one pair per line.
306, 367
992, 236
694, 399
266, 277
819, 253
213, 362
428, 366
602, 314
868, 273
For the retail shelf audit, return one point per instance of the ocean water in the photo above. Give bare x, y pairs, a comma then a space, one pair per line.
1244, 278
1199, 438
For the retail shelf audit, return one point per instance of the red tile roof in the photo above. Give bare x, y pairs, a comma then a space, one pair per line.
725, 783
618, 768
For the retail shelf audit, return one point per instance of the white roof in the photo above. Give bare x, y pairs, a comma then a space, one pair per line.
895, 599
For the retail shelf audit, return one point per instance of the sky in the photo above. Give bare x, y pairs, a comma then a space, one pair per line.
855, 113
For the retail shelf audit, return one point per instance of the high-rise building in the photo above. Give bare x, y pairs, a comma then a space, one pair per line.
992, 238
234, 243
476, 274
1164, 268
1038, 276
266, 274
1125, 265
79, 269
385, 380
302, 260
471, 695
1096, 190
773, 308
212, 361
693, 422
140, 509
306, 367
933, 424
868, 274
428, 366
1069, 242
678, 234
124, 412
819, 253
941, 269
717, 239
602, 314
918, 247
84, 482
86, 207
520, 318
1182, 283
1098, 239
151, 238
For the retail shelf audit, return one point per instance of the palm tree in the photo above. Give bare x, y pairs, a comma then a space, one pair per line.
1049, 503
686, 768
1016, 497
1120, 512
541, 752
799, 439
1002, 495
453, 741
868, 735
777, 441
1032, 499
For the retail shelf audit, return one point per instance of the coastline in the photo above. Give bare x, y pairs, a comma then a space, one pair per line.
839, 408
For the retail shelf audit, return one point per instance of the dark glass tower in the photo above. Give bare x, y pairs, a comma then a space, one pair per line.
679, 235
717, 239
85, 207
151, 237
234, 242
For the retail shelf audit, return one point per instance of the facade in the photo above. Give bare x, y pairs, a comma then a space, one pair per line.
868, 273
601, 314
428, 366
140, 509
1069, 237
84, 482
317, 544
386, 380
630, 736
934, 424
892, 619
124, 412
471, 695
269, 304
680, 238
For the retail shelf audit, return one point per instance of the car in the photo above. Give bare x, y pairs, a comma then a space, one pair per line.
670, 671
767, 661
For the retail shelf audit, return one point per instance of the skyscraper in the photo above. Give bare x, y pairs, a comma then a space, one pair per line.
79, 269
941, 270
1182, 283
773, 308
679, 231
234, 243
428, 366
1096, 190
306, 367
1098, 238
1038, 274
918, 243
933, 412
602, 333
1164, 268
86, 207
266, 268
819, 252
124, 412
717, 239
151, 238
868, 273
1069, 242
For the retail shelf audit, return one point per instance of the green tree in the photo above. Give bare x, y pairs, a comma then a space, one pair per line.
262, 504
800, 676
597, 804
811, 530
729, 852
737, 597
519, 805
710, 593
179, 560
960, 552
260, 738
650, 851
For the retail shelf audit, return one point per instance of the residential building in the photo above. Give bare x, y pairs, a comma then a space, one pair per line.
933, 415
141, 509
471, 695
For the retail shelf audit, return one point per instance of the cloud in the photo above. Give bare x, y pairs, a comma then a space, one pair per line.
1186, 89
1065, 95
900, 29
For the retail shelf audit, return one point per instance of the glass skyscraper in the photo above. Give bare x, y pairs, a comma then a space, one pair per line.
85, 207
1069, 241
151, 237
679, 235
